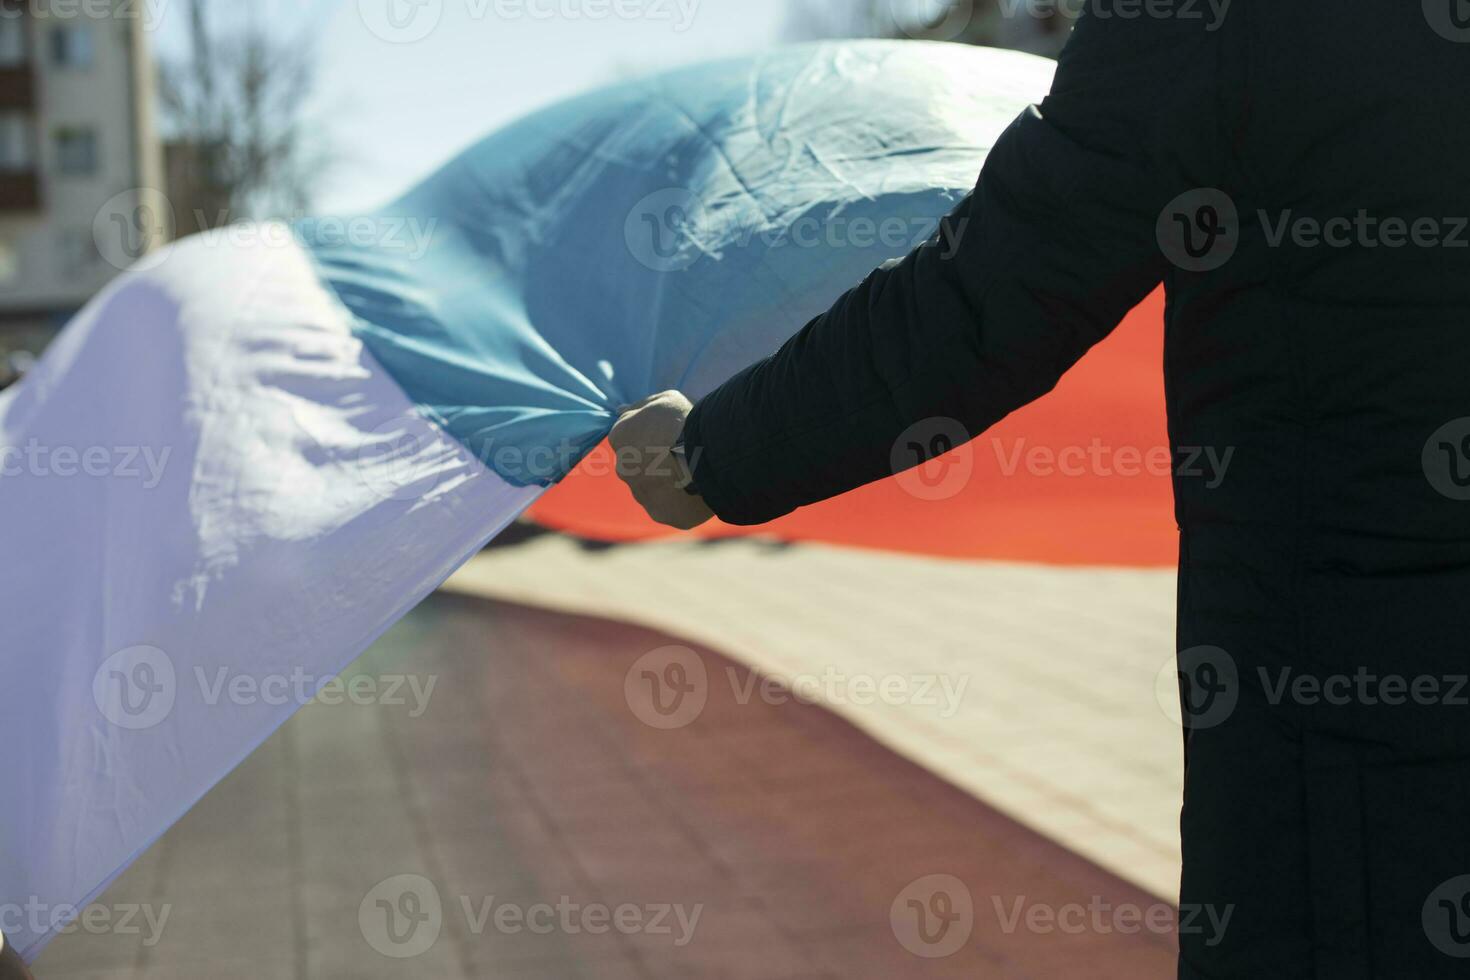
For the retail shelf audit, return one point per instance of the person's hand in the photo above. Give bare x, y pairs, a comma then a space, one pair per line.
643, 442
11, 967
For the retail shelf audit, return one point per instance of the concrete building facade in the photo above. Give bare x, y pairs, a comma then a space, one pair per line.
80, 160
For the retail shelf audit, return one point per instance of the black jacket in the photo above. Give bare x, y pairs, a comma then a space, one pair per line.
1297, 174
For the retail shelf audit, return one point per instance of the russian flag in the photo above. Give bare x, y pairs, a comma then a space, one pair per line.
262, 446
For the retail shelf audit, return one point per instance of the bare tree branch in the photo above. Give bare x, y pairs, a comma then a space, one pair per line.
240, 145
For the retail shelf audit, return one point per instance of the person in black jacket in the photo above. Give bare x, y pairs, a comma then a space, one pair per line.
1295, 175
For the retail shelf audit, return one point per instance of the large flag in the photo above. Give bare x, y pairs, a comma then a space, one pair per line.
262, 446
1081, 477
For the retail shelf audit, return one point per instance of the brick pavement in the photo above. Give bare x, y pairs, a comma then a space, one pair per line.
807, 848
1059, 725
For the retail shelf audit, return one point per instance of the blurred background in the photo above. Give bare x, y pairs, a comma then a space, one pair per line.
278, 108
1009, 810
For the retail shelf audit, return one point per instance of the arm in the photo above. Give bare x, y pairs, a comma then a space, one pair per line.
1054, 246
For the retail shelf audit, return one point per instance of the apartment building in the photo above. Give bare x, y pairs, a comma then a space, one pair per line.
77, 143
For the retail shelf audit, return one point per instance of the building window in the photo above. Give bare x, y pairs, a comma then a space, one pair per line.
76, 151
17, 152
72, 46
12, 39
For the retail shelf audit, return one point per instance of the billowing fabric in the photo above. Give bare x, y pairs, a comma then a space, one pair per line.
1080, 477
1294, 174
259, 448
207, 479
660, 234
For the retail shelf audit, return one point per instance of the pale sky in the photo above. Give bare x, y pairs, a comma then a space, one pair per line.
407, 83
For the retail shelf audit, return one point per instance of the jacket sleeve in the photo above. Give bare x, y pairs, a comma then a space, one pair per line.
1041, 261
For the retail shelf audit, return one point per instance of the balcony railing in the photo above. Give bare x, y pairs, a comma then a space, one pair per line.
19, 191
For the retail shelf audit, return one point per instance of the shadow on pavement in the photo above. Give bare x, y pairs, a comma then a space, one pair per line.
555, 797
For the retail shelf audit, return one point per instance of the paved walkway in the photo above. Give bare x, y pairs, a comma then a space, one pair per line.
1059, 678
547, 779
